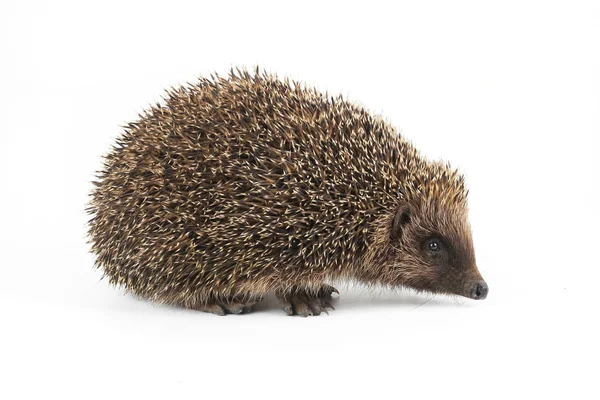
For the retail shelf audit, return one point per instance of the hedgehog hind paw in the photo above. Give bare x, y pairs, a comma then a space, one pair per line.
214, 308
306, 303
227, 307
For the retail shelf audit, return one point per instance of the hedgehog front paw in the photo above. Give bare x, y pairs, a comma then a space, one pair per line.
304, 302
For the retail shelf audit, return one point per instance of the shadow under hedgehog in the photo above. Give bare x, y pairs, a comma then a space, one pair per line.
238, 187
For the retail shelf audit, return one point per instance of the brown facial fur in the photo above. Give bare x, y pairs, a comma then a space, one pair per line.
242, 186
450, 269
433, 205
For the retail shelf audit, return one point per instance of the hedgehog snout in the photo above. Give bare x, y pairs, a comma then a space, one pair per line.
478, 290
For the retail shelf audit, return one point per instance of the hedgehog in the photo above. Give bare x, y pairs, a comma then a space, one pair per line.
239, 187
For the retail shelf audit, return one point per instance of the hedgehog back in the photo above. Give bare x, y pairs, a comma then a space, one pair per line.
243, 181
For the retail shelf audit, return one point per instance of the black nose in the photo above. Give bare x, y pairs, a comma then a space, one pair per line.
479, 291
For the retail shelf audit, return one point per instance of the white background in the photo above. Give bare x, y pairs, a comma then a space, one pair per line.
509, 93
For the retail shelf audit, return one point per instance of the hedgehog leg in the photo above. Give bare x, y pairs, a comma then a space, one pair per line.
304, 302
213, 308
223, 307
240, 307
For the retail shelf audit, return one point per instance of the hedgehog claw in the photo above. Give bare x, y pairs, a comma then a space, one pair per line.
326, 291
327, 305
304, 302
302, 308
315, 306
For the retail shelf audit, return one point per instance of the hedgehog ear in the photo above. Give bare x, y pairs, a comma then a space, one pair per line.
401, 219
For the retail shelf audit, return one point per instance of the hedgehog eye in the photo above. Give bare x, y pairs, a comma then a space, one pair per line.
434, 245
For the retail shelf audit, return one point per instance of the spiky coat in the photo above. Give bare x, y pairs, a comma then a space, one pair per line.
239, 186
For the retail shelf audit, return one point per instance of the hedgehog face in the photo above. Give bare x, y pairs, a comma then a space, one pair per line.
432, 250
